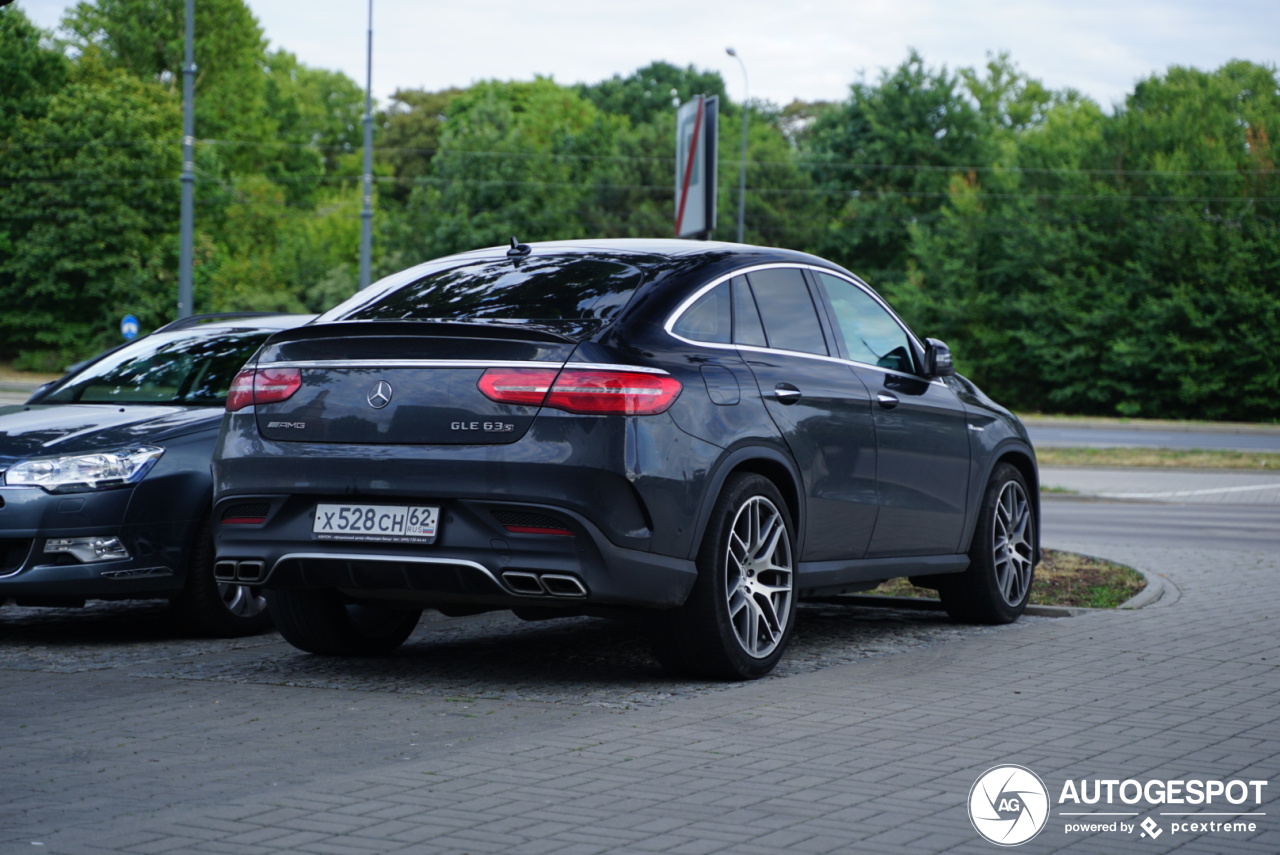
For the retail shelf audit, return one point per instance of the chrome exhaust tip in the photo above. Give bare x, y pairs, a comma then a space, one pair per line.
558, 585
523, 583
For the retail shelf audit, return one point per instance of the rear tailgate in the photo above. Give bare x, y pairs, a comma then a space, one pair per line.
407, 382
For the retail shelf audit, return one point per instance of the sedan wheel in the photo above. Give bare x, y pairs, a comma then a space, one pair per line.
214, 608
242, 600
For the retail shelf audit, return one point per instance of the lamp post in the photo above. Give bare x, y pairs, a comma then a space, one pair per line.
366, 210
742, 163
187, 204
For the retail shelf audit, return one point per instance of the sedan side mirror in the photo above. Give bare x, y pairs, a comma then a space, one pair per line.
39, 392
937, 358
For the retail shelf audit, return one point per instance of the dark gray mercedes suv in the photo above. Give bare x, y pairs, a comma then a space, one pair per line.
698, 434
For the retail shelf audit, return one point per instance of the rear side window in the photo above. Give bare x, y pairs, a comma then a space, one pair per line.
787, 310
709, 319
725, 314
747, 328
549, 288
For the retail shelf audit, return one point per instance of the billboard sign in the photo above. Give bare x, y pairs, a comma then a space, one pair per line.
696, 134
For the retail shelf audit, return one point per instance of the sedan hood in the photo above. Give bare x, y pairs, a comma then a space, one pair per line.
37, 430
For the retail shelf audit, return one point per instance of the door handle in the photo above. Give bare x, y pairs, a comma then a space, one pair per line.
887, 401
785, 393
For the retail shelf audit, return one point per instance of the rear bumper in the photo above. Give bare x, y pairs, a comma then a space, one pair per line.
624, 491
475, 561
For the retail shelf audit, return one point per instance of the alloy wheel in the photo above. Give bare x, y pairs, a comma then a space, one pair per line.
1012, 543
758, 576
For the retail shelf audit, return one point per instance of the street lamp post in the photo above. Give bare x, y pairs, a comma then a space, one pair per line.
742, 163
366, 180
187, 204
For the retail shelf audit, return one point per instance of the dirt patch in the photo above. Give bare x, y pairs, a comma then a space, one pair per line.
1061, 579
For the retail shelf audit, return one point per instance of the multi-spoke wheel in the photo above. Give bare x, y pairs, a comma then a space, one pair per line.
738, 619
1002, 556
1011, 548
758, 573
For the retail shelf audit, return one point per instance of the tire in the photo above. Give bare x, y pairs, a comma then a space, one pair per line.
323, 622
737, 621
214, 608
996, 587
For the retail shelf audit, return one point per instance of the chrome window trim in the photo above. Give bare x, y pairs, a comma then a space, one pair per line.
455, 363
933, 381
684, 306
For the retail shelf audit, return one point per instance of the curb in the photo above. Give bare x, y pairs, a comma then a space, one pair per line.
1158, 590
930, 604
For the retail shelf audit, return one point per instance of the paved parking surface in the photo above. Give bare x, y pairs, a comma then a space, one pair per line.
489, 735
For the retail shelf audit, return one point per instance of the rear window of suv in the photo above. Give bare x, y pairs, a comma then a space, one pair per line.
573, 288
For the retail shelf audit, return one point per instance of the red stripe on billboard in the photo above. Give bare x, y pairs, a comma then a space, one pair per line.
688, 168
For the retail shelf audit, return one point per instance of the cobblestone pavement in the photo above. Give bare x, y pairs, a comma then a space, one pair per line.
490, 735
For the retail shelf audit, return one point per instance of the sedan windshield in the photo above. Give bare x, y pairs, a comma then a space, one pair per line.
166, 368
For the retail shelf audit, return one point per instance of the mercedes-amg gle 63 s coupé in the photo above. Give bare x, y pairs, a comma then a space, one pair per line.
695, 434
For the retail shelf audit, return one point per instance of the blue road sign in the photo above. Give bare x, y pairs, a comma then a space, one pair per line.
129, 327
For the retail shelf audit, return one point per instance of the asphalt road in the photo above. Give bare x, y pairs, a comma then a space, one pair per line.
1150, 525
1100, 436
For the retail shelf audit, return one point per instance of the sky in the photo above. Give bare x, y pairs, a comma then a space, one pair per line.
811, 50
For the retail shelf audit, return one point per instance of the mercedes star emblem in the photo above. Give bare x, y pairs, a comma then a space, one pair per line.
379, 394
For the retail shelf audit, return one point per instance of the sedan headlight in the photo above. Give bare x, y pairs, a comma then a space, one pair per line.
84, 471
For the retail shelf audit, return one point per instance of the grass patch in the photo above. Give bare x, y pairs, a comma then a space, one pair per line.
1062, 579
10, 374
1170, 458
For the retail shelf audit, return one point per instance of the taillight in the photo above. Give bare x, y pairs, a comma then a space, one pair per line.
263, 386
589, 391
518, 385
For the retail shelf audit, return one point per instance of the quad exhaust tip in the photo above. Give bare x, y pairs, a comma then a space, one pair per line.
240, 572
544, 584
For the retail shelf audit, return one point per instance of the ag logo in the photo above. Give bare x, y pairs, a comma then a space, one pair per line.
1009, 805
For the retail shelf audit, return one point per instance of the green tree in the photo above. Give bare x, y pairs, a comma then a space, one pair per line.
782, 205
29, 73
1014, 238
147, 39
514, 159
885, 159
410, 137
647, 94
1195, 156
95, 180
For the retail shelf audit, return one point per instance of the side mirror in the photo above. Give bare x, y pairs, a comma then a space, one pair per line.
39, 392
937, 358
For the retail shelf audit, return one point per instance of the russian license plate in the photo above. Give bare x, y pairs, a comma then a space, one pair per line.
377, 523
